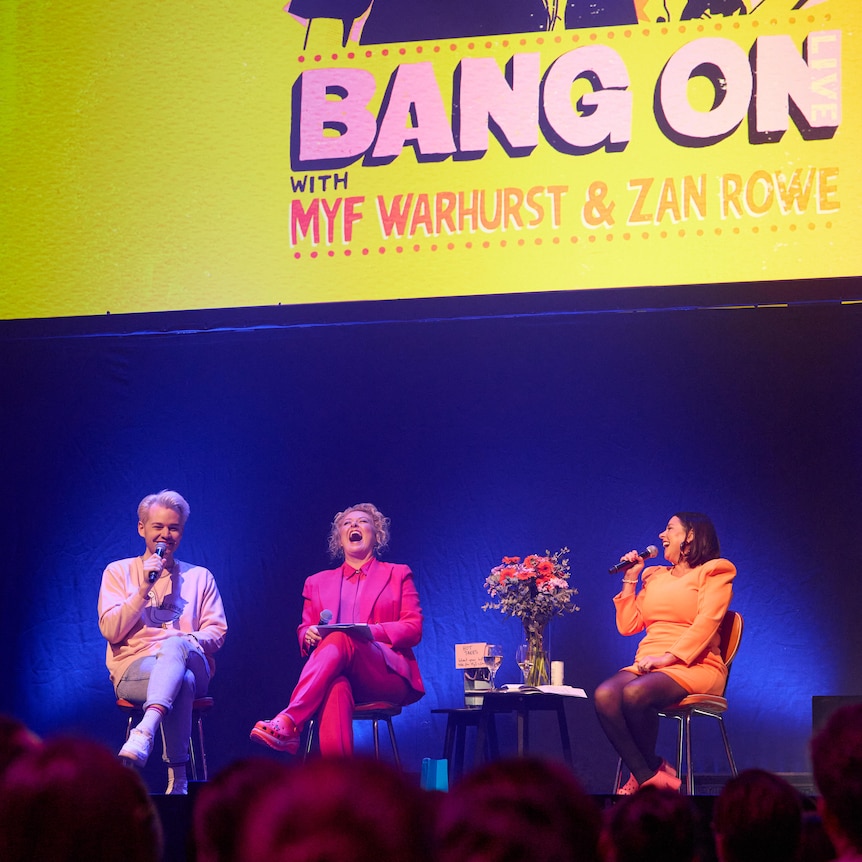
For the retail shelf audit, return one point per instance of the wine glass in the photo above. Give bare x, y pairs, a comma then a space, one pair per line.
493, 659
525, 661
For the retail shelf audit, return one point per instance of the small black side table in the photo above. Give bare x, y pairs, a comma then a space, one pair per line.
521, 703
458, 719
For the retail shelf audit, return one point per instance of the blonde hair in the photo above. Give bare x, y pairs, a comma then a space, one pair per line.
168, 500
381, 528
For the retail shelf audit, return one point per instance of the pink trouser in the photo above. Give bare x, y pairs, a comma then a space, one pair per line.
342, 671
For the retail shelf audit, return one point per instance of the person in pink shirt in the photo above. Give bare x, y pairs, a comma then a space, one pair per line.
343, 667
680, 608
163, 620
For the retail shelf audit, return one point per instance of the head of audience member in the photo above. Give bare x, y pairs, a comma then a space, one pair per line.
71, 799
652, 825
836, 757
223, 803
518, 809
15, 739
815, 845
757, 818
338, 810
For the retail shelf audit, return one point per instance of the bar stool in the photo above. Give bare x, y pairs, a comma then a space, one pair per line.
200, 707
710, 705
374, 712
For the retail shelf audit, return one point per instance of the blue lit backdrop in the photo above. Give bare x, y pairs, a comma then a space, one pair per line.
480, 437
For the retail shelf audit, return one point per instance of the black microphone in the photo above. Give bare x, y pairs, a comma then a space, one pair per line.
623, 565
161, 547
325, 617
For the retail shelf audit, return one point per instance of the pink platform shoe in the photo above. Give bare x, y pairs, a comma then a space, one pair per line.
629, 787
279, 733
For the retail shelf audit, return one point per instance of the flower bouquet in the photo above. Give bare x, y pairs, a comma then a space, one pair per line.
534, 590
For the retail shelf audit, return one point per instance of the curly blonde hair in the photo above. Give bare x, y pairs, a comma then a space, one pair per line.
381, 528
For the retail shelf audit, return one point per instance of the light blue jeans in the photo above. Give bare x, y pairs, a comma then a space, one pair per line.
172, 678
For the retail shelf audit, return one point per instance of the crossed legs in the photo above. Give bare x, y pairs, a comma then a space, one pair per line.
167, 683
627, 706
340, 672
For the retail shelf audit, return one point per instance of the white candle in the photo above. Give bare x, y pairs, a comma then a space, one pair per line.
556, 673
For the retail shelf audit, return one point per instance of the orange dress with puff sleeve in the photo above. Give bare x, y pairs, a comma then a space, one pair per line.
681, 615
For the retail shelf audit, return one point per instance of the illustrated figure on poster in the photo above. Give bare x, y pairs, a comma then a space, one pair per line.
376, 22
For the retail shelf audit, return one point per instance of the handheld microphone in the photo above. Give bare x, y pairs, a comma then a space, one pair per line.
325, 617
623, 565
161, 547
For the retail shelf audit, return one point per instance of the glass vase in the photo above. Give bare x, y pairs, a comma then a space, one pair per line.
539, 672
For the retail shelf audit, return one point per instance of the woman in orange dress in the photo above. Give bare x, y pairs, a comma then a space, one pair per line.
680, 607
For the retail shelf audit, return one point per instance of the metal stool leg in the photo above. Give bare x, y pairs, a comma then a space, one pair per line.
730, 761
392, 740
689, 775
375, 733
193, 767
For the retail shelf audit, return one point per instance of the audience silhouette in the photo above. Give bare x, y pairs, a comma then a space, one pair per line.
15, 739
518, 809
652, 825
223, 804
757, 818
338, 810
71, 799
67, 798
836, 758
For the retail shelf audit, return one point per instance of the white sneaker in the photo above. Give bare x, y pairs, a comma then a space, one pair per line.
138, 747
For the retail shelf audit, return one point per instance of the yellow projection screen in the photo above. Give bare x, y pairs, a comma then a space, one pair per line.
231, 153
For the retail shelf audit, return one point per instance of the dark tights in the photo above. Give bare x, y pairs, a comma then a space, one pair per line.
627, 706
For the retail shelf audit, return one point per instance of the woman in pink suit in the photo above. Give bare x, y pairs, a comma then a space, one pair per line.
342, 667
680, 607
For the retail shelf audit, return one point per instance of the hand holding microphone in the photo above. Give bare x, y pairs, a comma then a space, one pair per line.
153, 574
625, 564
312, 635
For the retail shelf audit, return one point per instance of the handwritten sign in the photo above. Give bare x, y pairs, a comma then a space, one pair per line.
469, 655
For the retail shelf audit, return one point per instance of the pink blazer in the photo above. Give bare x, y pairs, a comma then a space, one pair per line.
389, 603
